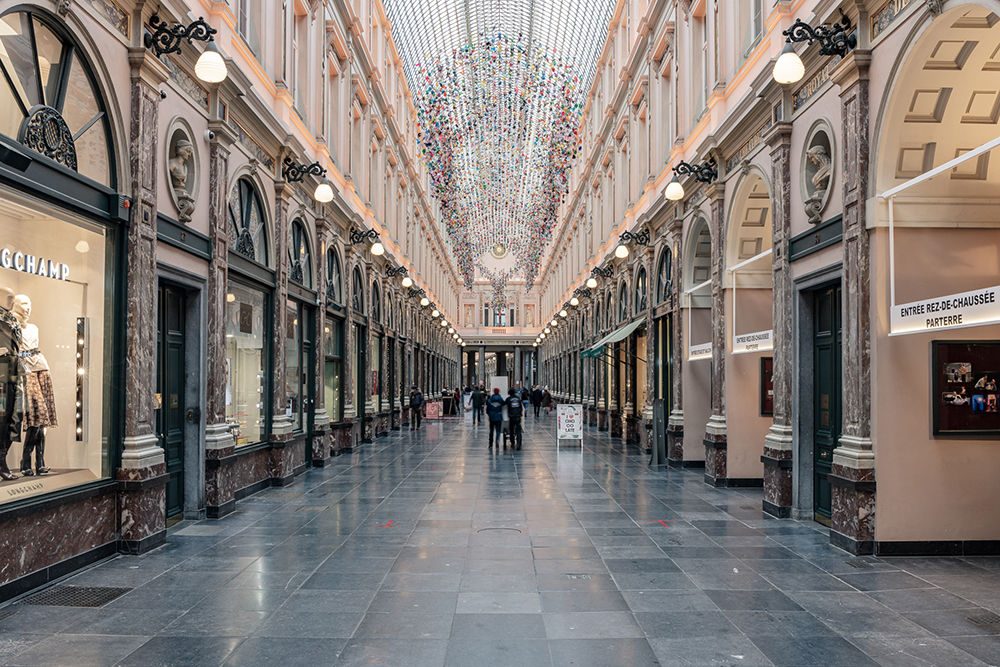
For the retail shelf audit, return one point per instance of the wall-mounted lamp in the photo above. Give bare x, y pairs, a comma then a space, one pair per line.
703, 173
293, 172
836, 40
641, 238
210, 67
563, 313
358, 237
598, 272
435, 313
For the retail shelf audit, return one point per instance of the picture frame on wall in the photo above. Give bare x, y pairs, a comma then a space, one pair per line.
964, 393
766, 386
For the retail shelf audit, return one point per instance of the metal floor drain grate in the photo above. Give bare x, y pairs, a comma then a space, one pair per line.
512, 530
76, 596
7, 613
578, 576
988, 619
859, 564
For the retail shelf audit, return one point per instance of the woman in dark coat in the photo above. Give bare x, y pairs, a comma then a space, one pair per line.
547, 399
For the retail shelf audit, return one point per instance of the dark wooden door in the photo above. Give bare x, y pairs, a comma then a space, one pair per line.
827, 423
170, 367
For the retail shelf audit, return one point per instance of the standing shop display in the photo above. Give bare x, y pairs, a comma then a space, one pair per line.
569, 419
39, 397
10, 349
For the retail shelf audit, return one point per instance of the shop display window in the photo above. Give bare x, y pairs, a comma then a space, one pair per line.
333, 382
246, 363
56, 324
293, 364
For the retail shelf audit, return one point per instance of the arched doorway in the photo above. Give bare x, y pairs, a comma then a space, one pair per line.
696, 357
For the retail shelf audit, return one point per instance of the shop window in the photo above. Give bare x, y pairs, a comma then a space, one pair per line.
640, 291
664, 287
358, 296
293, 363
247, 226
333, 347
299, 258
246, 386
334, 279
48, 97
55, 345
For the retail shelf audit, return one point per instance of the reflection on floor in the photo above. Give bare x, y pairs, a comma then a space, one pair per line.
425, 550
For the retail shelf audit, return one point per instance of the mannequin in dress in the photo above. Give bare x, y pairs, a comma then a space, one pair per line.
10, 376
39, 403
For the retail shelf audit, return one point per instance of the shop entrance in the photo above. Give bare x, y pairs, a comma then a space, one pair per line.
827, 423
170, 387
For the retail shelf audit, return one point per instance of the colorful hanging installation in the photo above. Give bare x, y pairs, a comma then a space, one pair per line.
500, 129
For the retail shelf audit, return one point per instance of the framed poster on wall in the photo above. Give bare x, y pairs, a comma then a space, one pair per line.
964, 395
766, 386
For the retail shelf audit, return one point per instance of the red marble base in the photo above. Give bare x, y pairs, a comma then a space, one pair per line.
715, 460
777, 481
602, 420
675, 444
852, 513
616, 425
142, 504
592, 416
632, 430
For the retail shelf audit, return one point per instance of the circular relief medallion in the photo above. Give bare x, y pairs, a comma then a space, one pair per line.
498, 251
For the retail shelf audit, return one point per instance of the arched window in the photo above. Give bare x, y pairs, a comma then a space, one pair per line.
664, 285
247, 229
622, 303
334, 278
610, 310
48, 97
640, 291
376, 304
299, 258
597, 319
390, 317
358, 297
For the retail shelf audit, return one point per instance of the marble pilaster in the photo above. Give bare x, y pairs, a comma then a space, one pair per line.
853, 472
280, 467
142, 476
715, 431
777, 457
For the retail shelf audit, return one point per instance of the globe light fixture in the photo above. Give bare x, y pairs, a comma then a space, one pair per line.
444, 323
425, 302
546, 330
435, 313
293, 172
407, 281
592, 283
674, 191
837, 40
210, 66
563, 313
703, 173
574, 301
621, 252
451, 330
324, 192
378, 249
555, 323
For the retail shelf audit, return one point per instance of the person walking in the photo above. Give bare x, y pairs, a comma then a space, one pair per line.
515, 411
536, 399
478, 401
416, 407
494, 410
547, 399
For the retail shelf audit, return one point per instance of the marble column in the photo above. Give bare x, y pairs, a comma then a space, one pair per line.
321, 419
777, 457
517, 364
715, 430
142, 476
220, 447
675, 422
347, 433
853, 474
649, 353
369, 424
616, 426
603, 381
482, 366
281, 459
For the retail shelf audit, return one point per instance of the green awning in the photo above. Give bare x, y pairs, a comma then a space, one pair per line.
613, 337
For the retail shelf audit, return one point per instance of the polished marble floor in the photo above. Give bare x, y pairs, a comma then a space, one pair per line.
425, 550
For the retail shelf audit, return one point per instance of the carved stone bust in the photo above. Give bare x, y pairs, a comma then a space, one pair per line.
817, 172
182, 169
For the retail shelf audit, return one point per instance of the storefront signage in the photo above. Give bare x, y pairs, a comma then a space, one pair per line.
753, 342
38, 266
967, 309
887, 14
569, 419
743, 151
812, 86
703, 351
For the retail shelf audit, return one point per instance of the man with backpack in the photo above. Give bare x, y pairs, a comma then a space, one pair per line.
494, 410
515, 411
416, 407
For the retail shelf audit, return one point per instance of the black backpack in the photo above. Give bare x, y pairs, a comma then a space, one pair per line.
514, 407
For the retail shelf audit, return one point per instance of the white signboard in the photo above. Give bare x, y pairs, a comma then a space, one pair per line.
570, 421
698, 352
955, 311
753, 342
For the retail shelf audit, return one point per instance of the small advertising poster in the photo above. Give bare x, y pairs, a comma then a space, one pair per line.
433, 410
965, 394
569, 419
